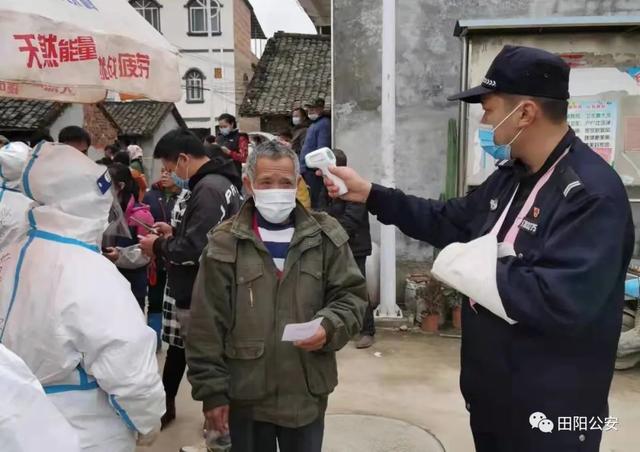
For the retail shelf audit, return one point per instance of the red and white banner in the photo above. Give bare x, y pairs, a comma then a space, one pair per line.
76, 50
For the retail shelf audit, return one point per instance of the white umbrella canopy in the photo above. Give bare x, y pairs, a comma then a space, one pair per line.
77, 50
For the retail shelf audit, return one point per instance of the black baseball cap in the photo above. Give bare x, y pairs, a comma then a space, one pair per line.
523, 71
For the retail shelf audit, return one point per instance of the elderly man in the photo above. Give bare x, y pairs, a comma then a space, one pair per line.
274, 264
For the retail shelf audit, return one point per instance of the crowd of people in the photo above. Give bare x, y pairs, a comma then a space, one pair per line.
230, 217
259, 291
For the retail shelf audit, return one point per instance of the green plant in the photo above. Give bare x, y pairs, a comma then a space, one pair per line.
452, 297
433, 296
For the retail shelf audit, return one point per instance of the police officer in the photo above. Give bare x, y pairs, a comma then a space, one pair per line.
533, 375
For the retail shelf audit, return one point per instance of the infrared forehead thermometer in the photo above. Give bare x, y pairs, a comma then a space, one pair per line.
322, 159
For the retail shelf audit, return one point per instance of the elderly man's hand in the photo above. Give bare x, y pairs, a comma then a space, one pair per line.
315, 342
358, 187
218, 419
146, 244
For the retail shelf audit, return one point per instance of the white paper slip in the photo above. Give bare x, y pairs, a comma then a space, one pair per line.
301, 331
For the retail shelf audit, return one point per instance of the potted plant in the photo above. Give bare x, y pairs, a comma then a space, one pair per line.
433, 296
454, 300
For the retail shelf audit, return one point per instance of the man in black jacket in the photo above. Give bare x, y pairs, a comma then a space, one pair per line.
213, 199
354, 218
540, 332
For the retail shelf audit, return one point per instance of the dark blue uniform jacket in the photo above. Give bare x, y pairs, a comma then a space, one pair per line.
564, 287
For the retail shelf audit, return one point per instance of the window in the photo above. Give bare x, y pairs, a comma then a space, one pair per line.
324, 30
195, 86
197, 17
149, 9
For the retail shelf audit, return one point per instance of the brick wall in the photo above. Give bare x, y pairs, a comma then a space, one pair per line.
248, 124
244, 57
99, 126
274, 124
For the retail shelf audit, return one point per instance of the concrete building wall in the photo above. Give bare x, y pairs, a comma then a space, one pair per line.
175, 26
153, 167
208, 54
428, 70
73, 115
219, 93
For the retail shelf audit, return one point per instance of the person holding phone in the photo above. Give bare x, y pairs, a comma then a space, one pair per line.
125, 253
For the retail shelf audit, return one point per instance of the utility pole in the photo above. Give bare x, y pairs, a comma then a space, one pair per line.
388, 307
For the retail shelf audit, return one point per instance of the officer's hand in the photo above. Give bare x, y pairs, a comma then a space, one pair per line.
316, 342
218, 419
358, 187
112, 254
163, 229
146, 244
148, 439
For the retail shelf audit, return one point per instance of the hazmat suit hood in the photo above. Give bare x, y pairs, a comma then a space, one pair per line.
14, 206
74, 191
13, 159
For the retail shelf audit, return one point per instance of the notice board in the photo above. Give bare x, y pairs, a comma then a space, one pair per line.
604, 108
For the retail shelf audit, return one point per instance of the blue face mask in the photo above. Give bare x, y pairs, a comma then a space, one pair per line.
486, 138
180, 182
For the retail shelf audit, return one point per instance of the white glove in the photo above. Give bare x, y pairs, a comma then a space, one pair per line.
148, 439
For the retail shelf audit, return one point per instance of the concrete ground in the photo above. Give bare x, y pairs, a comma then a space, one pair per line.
409, 377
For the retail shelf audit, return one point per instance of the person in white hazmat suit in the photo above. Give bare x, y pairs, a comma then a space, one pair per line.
28, 420
70, 315
13, 204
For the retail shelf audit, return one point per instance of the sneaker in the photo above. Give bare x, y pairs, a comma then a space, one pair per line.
365, 341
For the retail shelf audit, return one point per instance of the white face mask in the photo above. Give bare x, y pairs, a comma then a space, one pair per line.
275, 205
296, 120
313, 116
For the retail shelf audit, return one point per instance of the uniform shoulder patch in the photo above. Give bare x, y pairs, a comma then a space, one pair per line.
568, 181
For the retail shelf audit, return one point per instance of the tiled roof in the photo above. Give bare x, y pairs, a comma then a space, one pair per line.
18, 114
140, 117
294, 69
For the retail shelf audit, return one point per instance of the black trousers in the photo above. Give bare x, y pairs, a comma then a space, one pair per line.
156, 293
507, 441
491, 442
174, 367
248, 435
369, 324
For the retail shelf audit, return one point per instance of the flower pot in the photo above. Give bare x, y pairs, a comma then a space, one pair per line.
430, 323
456, 317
